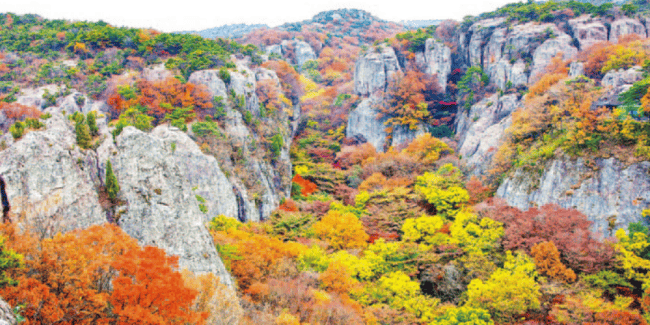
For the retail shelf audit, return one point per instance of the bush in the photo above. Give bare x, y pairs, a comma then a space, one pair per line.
224, 75
112, 187
92, 123
17, 130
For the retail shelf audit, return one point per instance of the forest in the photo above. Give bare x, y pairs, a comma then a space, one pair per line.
403, 234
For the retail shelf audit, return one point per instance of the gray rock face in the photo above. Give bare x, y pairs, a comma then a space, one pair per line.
162, 209
363, 121
304, 53
274, 49
157, 73
375, 70
202, 171
482, 128
244, 84
480, 32
560, 45
588, 31
34, 97
626, 26
210, 79
6, 314
600, 190
50, 181
622, 77
576, 69
438, 61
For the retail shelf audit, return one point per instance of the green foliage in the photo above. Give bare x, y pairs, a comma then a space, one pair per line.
17, 130
133, 117
606, 280
542, 11
180, 116
92, 123
112, 187
224, 74
417, 39
205, 128
473, 80
464, 316
474, 235
313, 259
425, 229
9, 260
276, 144
83, 132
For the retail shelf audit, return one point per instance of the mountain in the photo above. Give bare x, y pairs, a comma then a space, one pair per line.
415, 24
226, 31
342, 170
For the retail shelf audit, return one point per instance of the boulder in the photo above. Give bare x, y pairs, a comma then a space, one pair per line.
304, 53
157, 73
576, 69
616, 78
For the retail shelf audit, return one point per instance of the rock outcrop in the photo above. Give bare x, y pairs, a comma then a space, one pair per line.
363, 122
626, 26
6, 314
438, 61
54, 186
588, 31
374, 70
481, 130
210, 79
602, 189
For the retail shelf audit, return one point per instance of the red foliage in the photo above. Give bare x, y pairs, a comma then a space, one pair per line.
567, 229
18, 111
307, 187
477, 192
617, 317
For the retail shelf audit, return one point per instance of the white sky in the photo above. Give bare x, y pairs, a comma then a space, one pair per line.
177, 15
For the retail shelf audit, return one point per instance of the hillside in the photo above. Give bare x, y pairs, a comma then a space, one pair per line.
226, 31
339, 170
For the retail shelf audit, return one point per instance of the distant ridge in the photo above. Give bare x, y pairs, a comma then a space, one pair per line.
415, 24
226, 31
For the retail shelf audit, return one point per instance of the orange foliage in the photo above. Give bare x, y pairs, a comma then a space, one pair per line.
290, 79
544, 83
307, 187
378, 181
337, 279
289, 206
547, 260
355, 155
160, 97
18, 111
149, 290
71, 278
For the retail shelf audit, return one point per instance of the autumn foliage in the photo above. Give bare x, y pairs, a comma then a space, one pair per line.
97, 276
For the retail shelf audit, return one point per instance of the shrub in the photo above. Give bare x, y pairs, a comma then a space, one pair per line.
17, 130
112, 187
92, 123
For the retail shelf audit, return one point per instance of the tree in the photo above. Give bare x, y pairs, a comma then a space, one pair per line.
341, 230
112, 187
547, 260
150, 290
92, 123
465, 316
9, 260
83, 133
509, 291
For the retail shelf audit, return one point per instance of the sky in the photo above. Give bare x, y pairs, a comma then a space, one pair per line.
180, 15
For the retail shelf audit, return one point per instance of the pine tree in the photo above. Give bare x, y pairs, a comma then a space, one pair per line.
83, 134
112, 187
92, 124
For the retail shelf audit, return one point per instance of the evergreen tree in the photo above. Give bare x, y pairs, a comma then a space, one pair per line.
112, 187
83, 134
92, 124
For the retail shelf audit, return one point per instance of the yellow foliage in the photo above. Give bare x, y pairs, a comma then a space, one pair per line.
341, 230
545, 83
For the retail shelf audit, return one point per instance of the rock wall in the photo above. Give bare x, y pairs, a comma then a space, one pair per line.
481, 130
53, 186
602, 189
374, 70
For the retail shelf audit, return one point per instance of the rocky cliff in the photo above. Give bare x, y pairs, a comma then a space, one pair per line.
55, 186
611, 194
